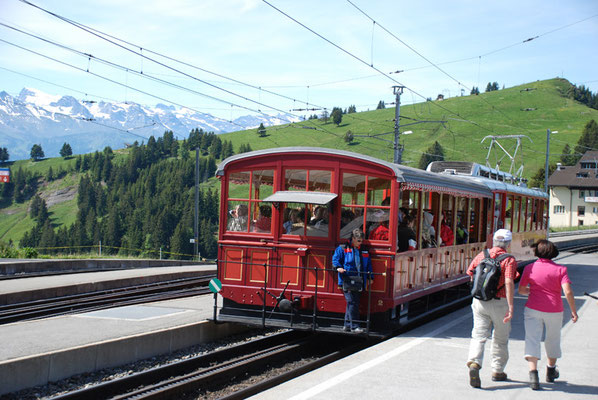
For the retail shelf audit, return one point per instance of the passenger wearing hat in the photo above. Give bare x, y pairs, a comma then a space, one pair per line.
492, 318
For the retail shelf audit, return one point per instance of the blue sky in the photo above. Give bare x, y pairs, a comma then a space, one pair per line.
250, 41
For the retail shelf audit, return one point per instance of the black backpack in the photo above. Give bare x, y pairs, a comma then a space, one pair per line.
486, 277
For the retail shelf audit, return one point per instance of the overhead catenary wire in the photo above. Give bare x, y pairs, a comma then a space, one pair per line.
371, 66
483, 98
103, 77
140, 54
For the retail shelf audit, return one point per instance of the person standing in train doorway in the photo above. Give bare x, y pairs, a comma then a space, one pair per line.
492, 318
353, 264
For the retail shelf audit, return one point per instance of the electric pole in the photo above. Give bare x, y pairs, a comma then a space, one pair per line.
397, 90
196, 220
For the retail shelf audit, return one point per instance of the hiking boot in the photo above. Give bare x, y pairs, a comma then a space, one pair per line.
534, 380
551, 373
499, 376
474, 375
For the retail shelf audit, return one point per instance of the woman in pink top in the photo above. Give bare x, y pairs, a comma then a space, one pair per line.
543, 281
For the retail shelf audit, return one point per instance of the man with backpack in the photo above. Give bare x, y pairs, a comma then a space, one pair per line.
493, 274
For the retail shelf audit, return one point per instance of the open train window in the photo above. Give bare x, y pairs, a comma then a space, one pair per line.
308, 218
365, 205
246, 210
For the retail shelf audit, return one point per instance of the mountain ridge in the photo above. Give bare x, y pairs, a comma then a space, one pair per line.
34, 117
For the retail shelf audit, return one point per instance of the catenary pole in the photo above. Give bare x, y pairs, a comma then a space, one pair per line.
196, 222
398, 150
546, 164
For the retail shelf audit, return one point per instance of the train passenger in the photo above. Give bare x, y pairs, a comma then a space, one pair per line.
428, 231
462, 235
447, 238
543, 281
320, 217
407, 238
379, 231
492, 318
237, 220
264, 219
352, 262
291, 217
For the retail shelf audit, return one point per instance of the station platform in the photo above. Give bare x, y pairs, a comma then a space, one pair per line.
429, 362
40, 351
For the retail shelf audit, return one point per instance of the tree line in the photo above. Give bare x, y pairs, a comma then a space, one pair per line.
134, 206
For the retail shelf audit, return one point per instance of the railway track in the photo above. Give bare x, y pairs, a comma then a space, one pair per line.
97, 300
214, 371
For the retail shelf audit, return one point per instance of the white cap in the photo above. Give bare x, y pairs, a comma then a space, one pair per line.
504, 235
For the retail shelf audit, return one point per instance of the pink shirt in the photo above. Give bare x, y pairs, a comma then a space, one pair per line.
545, 278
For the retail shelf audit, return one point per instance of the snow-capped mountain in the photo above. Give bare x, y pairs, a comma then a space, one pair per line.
34, 117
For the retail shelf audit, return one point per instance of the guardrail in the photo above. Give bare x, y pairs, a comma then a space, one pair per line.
573, 233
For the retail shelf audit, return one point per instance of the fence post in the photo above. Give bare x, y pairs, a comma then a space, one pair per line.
160, 253
100, 249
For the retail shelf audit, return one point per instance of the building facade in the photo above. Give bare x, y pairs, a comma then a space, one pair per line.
573, 193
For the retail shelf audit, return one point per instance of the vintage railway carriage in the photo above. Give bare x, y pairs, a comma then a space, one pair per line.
285, 210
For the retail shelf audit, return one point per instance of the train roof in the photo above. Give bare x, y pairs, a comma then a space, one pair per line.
402, 173
494, 179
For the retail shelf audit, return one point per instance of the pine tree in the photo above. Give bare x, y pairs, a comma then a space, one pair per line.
4, 156
588, 140
261, 130
434, 153
381, 105
66, 150
566, 157
348, 137
337, 115
37, 153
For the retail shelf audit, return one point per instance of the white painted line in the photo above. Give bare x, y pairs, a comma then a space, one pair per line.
372, 363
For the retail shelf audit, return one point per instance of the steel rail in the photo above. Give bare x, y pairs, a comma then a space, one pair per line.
104, 299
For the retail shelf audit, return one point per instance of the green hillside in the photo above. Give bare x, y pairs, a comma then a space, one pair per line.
528, 109
494, 113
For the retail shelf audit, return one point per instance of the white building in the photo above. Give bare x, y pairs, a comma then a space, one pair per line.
574, 193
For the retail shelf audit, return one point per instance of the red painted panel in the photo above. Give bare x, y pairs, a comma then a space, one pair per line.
291, 274
316, 261
257, 259
233, 264
379, 266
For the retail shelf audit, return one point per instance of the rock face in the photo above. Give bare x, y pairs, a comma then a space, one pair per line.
34, 117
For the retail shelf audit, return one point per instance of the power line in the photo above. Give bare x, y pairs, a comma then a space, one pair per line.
56, 84
369, 65
103, 77
435, 65
99, 34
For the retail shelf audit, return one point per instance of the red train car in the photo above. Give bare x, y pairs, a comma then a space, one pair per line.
285, 210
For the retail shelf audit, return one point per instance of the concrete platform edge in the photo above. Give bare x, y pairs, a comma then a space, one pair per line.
41, 369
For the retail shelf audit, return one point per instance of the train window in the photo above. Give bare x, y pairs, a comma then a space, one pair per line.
509, 213
246, 212
529, 212
516, 214
474, 220
498, 221
447, 223
364, 205
312, 180
461, 231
